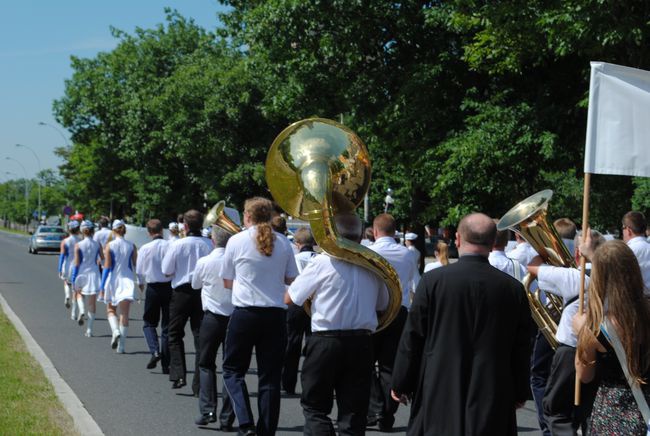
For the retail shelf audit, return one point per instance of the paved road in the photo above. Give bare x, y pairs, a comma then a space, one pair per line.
121, 395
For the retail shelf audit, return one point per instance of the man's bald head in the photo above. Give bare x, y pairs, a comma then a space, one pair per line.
477, 232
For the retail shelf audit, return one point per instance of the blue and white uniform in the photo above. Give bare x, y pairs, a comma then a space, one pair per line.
86, 277
120, 283
67, 257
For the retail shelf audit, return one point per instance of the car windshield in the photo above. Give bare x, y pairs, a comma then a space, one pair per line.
50, 230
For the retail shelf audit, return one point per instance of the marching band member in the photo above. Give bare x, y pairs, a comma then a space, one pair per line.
118, 284
86, 277
297, 319
560, 415
101, 235
339, 353
258, 263
179, 263
157, 296
500, 261
634, 228
65, 265
174, 232
217, 308
382, 407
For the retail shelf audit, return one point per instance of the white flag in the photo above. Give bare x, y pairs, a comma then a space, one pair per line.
618, 123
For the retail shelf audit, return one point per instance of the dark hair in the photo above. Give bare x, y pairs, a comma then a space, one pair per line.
279, 224
303, 236
478, 229
565, 228
179, 219
501, 239
194, 219
370, 234
103, 221
154, 226
385, 223
259, 210
349, 226
636, 222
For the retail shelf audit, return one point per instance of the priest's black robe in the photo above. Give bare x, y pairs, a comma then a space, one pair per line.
464, 354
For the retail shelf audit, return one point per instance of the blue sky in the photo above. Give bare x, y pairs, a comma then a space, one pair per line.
36, 41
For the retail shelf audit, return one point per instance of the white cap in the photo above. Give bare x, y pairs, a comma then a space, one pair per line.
206, 232
73, 225
87, 224
173, 226
118, 223
411, 236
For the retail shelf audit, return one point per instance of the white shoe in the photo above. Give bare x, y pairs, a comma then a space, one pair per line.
80, 319
115, 339
120, 348
67, 303
88, 334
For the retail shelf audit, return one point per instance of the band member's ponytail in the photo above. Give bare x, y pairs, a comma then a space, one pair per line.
259, 210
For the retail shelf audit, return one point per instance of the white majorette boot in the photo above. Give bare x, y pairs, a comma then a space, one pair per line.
89, 329
82, 310
122, 341
68, 294
74, 312
112, 320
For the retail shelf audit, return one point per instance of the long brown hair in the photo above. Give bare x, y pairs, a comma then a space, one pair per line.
443, 252
259, 209
616, 282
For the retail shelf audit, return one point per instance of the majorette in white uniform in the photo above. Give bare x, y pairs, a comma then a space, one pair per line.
65, 265
88, 279
120, 284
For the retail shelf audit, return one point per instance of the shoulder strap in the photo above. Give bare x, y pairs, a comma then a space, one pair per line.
611, 335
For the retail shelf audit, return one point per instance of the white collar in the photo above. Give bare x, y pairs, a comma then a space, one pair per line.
636, 239
385, 239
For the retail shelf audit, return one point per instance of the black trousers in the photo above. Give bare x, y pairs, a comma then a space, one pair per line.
213, 334
185, 303
262, 328
540, 368
298, 325
156, 303
562, 417
385, 344
340, 364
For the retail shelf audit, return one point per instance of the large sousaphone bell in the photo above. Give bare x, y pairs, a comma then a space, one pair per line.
528, 218
317, 168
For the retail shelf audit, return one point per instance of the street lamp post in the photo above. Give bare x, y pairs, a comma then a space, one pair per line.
67, 142
38, 161
26, 194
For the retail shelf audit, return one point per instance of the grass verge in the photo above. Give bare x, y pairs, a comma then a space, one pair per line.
17, 232
28, 404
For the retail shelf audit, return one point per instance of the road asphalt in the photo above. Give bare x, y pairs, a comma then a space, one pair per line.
121, 395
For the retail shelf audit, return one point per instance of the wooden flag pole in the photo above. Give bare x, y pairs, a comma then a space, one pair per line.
583, 262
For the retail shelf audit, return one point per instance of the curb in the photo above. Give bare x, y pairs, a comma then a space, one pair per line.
83, 421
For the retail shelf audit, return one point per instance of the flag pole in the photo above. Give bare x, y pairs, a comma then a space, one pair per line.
583, 262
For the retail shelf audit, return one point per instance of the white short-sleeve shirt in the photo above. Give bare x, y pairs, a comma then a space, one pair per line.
345, 296
150, 257
258, 279
500, 261
401, 258
523, 253
641, 249
214, 296
181, 257
564, 282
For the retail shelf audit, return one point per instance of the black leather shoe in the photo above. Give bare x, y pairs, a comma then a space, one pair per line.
153, 361
226, 427
372, 420
385, 426
205, 419
246, 431
179, 383
165, 370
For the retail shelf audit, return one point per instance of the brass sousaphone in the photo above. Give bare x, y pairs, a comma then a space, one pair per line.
317, 168
528, 218
216, 216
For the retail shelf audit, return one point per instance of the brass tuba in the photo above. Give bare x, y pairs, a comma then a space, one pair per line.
317, 168
216, 216
528, 218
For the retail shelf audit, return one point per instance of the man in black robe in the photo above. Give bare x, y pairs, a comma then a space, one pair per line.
464, 352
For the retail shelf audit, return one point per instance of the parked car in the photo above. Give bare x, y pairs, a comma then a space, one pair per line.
46, 238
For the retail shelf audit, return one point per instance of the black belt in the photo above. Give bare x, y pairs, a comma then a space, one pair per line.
340, 333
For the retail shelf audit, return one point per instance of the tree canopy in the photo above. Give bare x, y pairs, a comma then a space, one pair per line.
464, 105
